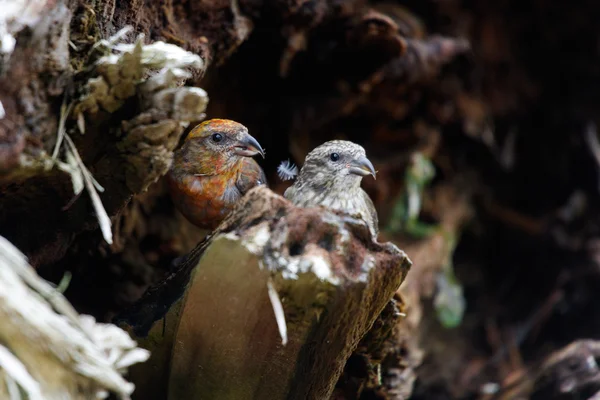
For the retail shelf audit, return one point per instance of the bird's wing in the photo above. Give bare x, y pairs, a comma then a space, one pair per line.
251, 175
372, 211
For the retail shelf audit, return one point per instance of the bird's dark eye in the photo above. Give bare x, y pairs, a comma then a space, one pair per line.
217, 137
334, 156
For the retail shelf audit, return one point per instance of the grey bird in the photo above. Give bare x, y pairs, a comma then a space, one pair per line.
331, 177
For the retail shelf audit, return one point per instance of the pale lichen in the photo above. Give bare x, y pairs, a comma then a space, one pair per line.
154, 74
119, 74
50, 351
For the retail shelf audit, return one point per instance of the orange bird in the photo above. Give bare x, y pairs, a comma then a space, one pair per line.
213, 170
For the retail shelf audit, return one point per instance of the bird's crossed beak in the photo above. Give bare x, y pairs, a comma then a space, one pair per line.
248, 147
362, 167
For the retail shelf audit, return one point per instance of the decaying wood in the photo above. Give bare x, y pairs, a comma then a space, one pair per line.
569, 373
123, 120
47, 350
330, 277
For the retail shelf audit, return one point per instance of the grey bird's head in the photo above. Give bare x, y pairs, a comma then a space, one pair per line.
337, 163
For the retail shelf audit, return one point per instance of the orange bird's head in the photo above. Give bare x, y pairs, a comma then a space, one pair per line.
217, 145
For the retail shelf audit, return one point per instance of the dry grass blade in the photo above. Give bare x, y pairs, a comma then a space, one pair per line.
17, 376
64, 113
12, 387
278, 310
72, 168
108, 43
91, 185
81, 123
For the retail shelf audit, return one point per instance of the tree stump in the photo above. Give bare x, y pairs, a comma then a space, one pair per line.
278, 298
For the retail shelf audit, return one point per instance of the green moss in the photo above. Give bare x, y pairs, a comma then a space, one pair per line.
84, 33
